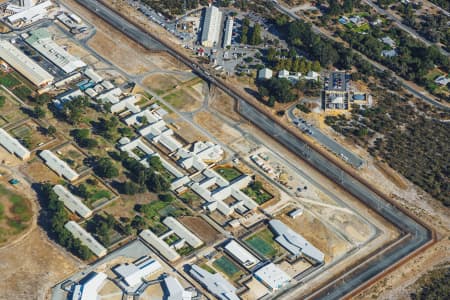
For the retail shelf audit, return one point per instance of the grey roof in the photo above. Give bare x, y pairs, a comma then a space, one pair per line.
73, 203
294, 242
23, 64
86, 238
272, 276
211, 26
13, 145
161, 246
214, 283
59, 166
182, 232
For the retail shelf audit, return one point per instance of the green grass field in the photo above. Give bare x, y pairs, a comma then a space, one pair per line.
8, 80
228, 267
22, 92
17, 218
259, 196
263, 242
228, 173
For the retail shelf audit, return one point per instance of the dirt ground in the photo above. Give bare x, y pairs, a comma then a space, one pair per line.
38, 171
314, 231
31, 267
160, 83
201, 228
216, 127
189, 133
223, 103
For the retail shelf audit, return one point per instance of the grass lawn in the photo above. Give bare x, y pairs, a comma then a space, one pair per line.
191, 198
263, 242
172, 238
186, 250
22, 92
228, 173
228, 267
208, 268
259, 196
8, 80
175, 99
15, 213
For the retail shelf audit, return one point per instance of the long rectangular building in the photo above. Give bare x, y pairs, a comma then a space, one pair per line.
165, 250
24, 65
211, 27
42, 41
242, 255
72, 202
89, 288
13, 145
182, 232
216, 284
293, 242
86, 238
59, 166
228, 34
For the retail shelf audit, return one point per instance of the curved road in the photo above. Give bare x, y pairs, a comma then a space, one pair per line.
417, 233
407, 85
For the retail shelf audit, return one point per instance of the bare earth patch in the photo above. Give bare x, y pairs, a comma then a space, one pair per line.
31, 267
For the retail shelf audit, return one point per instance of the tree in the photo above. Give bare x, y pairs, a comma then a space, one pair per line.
83, 191
38, 112
279, 89
157, 183
255, 36
166, 197
155, 163
2, 101
130, 188
42, 99
105, 168
51, 130
348, 6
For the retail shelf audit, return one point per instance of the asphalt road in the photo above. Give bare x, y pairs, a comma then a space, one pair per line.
328, 142
419, 234
407, 85
402, 26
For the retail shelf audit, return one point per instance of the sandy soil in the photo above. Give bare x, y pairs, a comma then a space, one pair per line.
223, 103
32, 266
313, 230
38, 171
201, 228
216, 127
188, 132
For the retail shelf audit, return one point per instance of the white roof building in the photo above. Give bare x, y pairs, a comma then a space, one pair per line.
214, 283
165, 250
273, 277
294, 242
91, 286
442, 80
127, 103
13, 145
265, 73
182, 232
72, 202
111, 96
24, 65
41, 40
211, 27
198, 155
228, 34
311, 75
59, 166
291, 76
31, 14
175, 290
240, 254
132, 274
86, 238
388, 41
92, 75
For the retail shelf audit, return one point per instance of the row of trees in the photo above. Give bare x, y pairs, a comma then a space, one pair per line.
289, 60
83, 138
250, 35
56, 216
